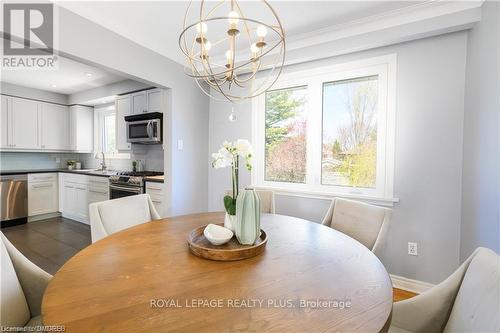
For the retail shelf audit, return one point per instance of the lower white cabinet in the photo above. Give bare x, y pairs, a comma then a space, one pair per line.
78, 191
158, 196
98, 189
42, 193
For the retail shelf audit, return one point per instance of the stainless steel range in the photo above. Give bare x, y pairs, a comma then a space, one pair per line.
129, 183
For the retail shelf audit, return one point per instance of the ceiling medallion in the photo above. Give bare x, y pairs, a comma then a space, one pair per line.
233, 57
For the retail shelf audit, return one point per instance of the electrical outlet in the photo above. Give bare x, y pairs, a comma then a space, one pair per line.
58, 160
180, 144
412, 249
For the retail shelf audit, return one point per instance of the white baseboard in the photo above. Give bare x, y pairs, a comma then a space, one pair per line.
43, 216
414, 286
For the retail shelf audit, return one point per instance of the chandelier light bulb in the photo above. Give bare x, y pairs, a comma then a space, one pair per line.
234, 18
261, 31
254, 48
201, 28
207, 46
229, 55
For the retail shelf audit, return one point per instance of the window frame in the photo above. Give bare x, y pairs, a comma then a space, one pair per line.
385, 68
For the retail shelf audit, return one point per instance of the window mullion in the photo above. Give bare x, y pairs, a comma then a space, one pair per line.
314, 134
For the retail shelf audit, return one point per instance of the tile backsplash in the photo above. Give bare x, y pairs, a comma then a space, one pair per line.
151, 155
21, 161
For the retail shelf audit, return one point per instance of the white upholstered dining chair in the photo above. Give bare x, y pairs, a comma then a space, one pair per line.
108, 217
22, 287
368, 224
467, 301
266, 200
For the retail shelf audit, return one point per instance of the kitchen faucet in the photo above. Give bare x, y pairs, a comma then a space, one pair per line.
103, 163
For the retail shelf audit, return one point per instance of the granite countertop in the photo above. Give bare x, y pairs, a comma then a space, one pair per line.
88, 172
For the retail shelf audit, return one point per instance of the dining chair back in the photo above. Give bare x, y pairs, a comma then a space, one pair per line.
22, 287
467, 301
366, 223
108, 217
266, 200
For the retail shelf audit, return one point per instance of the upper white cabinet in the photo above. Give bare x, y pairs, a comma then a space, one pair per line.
24, 123
54, 127
81, 125
155, 100
32, 125
139, 102
123, 107
4, 122
147, 101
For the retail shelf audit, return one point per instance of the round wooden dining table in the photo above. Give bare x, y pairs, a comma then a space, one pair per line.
310, 278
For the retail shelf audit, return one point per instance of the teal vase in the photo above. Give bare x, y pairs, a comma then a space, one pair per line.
247, 226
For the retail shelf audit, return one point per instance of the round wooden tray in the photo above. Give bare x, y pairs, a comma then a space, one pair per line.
231, 251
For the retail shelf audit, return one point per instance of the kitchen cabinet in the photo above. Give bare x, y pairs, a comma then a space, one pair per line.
158, 196
4, 122
24, 115
123, 107
74, 197
78, 191
98, 189
155, 100
42, 194
54, 127
81, 128
139, 102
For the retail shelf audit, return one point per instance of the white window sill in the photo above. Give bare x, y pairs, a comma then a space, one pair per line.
387, 202
119, 156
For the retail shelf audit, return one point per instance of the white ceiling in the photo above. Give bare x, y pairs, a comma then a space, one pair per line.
157, 24
70, 77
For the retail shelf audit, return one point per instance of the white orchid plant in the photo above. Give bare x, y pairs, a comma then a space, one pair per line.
229, 156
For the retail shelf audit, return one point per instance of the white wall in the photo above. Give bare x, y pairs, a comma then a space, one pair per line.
481, 165
187, 117
428, 157
26, 92
117, 88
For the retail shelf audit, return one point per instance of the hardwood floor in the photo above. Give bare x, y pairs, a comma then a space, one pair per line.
400, 294
49, 243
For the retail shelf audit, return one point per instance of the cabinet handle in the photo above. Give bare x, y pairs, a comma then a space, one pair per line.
81, 188
69, 186
156, 201
101, 192
40, 186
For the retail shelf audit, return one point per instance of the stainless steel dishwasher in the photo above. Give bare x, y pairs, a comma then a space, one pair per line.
13, 199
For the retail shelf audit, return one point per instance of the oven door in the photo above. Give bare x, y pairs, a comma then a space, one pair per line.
120, 191
144, 131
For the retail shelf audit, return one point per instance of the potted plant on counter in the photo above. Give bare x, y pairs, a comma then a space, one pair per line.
229, 156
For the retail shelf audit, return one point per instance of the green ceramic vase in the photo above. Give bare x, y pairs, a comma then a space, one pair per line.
247, 226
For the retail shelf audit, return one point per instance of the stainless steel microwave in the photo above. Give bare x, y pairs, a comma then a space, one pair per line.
145, 128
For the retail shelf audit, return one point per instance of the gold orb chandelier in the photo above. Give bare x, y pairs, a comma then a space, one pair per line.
233, 57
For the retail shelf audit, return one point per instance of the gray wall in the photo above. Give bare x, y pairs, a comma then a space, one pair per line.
21, 91
187, 117
428, 157
481, 166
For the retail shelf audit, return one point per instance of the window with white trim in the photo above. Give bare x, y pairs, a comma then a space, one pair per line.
105, 136
328, 131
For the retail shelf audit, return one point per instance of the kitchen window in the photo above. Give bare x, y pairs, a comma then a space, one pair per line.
105, 136
329, 132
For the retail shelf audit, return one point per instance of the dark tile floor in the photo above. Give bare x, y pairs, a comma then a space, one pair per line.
49, 243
